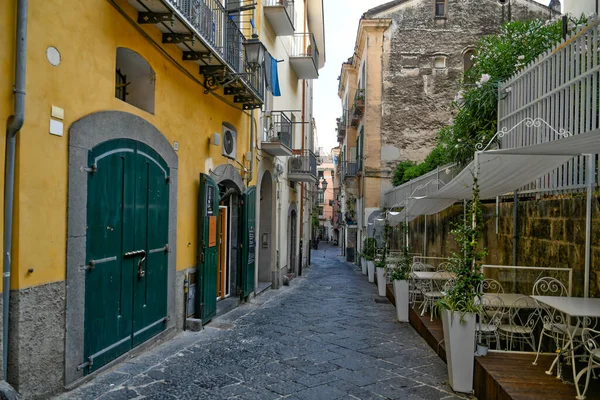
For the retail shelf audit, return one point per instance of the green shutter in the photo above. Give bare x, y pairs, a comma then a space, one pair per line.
248, 241
208, 210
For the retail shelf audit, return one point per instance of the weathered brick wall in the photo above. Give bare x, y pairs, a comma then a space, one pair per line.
417, 96
551, 234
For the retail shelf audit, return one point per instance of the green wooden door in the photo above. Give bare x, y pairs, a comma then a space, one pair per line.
208, 209
151, 235
248, 240
127, 217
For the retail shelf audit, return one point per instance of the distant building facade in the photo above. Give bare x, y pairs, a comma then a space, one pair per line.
409, 60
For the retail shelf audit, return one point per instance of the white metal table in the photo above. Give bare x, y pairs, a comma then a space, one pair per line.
510, 300
577, 308
441, 275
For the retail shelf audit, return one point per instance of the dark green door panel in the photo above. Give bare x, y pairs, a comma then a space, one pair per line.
248, 241
151, 230
108, 300
127, 211
208, 208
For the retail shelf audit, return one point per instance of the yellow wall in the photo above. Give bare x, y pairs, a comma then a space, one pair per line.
87, 34
7, 61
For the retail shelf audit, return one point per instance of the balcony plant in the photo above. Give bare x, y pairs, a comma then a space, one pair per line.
459, 306
400, 278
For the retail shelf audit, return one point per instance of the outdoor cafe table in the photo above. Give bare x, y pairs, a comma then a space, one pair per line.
510, 299
441, 275
577, 308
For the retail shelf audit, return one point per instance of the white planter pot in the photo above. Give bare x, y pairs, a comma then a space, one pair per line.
459, 338
363, 264
371, 270
381, 281
401, 295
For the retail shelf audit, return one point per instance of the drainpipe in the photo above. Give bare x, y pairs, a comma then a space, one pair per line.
252, 147
9, 172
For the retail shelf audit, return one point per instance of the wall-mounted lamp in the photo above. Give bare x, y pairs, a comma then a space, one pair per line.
255, 51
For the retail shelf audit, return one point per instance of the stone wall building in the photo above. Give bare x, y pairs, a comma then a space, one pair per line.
409, 60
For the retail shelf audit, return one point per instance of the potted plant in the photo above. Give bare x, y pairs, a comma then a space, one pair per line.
380, 268
459, 306
400, 278
363, 258
370, 257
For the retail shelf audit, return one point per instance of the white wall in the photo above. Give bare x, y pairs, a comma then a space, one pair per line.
578, 7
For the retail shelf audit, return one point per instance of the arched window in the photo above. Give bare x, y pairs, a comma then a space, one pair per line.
468, 59
135, 80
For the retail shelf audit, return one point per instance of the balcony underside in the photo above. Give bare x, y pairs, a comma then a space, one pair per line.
302, 177
198, 49
304, 67
276, 149
279, 20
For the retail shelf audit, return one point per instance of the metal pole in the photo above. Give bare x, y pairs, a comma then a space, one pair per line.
588, 223
515, 258
425, 239
9, 172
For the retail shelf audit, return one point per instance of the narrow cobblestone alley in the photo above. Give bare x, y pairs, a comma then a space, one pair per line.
323, 337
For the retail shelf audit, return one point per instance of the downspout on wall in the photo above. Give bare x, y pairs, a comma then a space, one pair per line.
13, 129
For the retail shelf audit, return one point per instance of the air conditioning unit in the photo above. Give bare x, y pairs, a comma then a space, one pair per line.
296, 163
229, 148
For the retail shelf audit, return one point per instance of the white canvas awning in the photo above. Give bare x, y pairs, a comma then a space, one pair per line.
505, 170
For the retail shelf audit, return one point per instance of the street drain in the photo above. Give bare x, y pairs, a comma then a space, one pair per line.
381, 300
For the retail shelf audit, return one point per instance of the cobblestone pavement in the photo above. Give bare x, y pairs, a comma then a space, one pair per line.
323, 337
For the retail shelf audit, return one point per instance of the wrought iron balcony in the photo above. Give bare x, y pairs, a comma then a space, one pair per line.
358, 109
304, 57
278, 134
302, 166
349, 170
280, 14
342, 126
208, 35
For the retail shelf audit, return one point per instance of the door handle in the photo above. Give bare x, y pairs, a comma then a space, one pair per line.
137, 253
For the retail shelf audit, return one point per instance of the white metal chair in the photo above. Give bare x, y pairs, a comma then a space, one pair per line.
437, 287
520, 325
554, 325
415, 292
444, 266
490, 286
591, 342
492, 311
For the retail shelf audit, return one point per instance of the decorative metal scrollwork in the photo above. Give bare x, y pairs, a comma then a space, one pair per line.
530, 123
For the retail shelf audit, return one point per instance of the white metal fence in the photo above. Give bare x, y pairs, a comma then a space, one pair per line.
561, 88
424, 185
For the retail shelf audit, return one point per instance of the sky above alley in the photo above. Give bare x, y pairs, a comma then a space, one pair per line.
341, 25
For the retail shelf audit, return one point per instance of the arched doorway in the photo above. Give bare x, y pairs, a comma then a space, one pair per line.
104, 150
265, 237
293, 238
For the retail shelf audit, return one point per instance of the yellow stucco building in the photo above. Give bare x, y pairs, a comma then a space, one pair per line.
136, 160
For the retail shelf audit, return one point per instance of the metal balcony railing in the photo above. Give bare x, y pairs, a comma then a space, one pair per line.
222, 35
303, 162
358, 107
279, 128
304, 45
342, 126
349, 169
287, 4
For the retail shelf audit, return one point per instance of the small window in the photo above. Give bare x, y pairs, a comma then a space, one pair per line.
439, 62
440, 8
321, 197
134, 80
